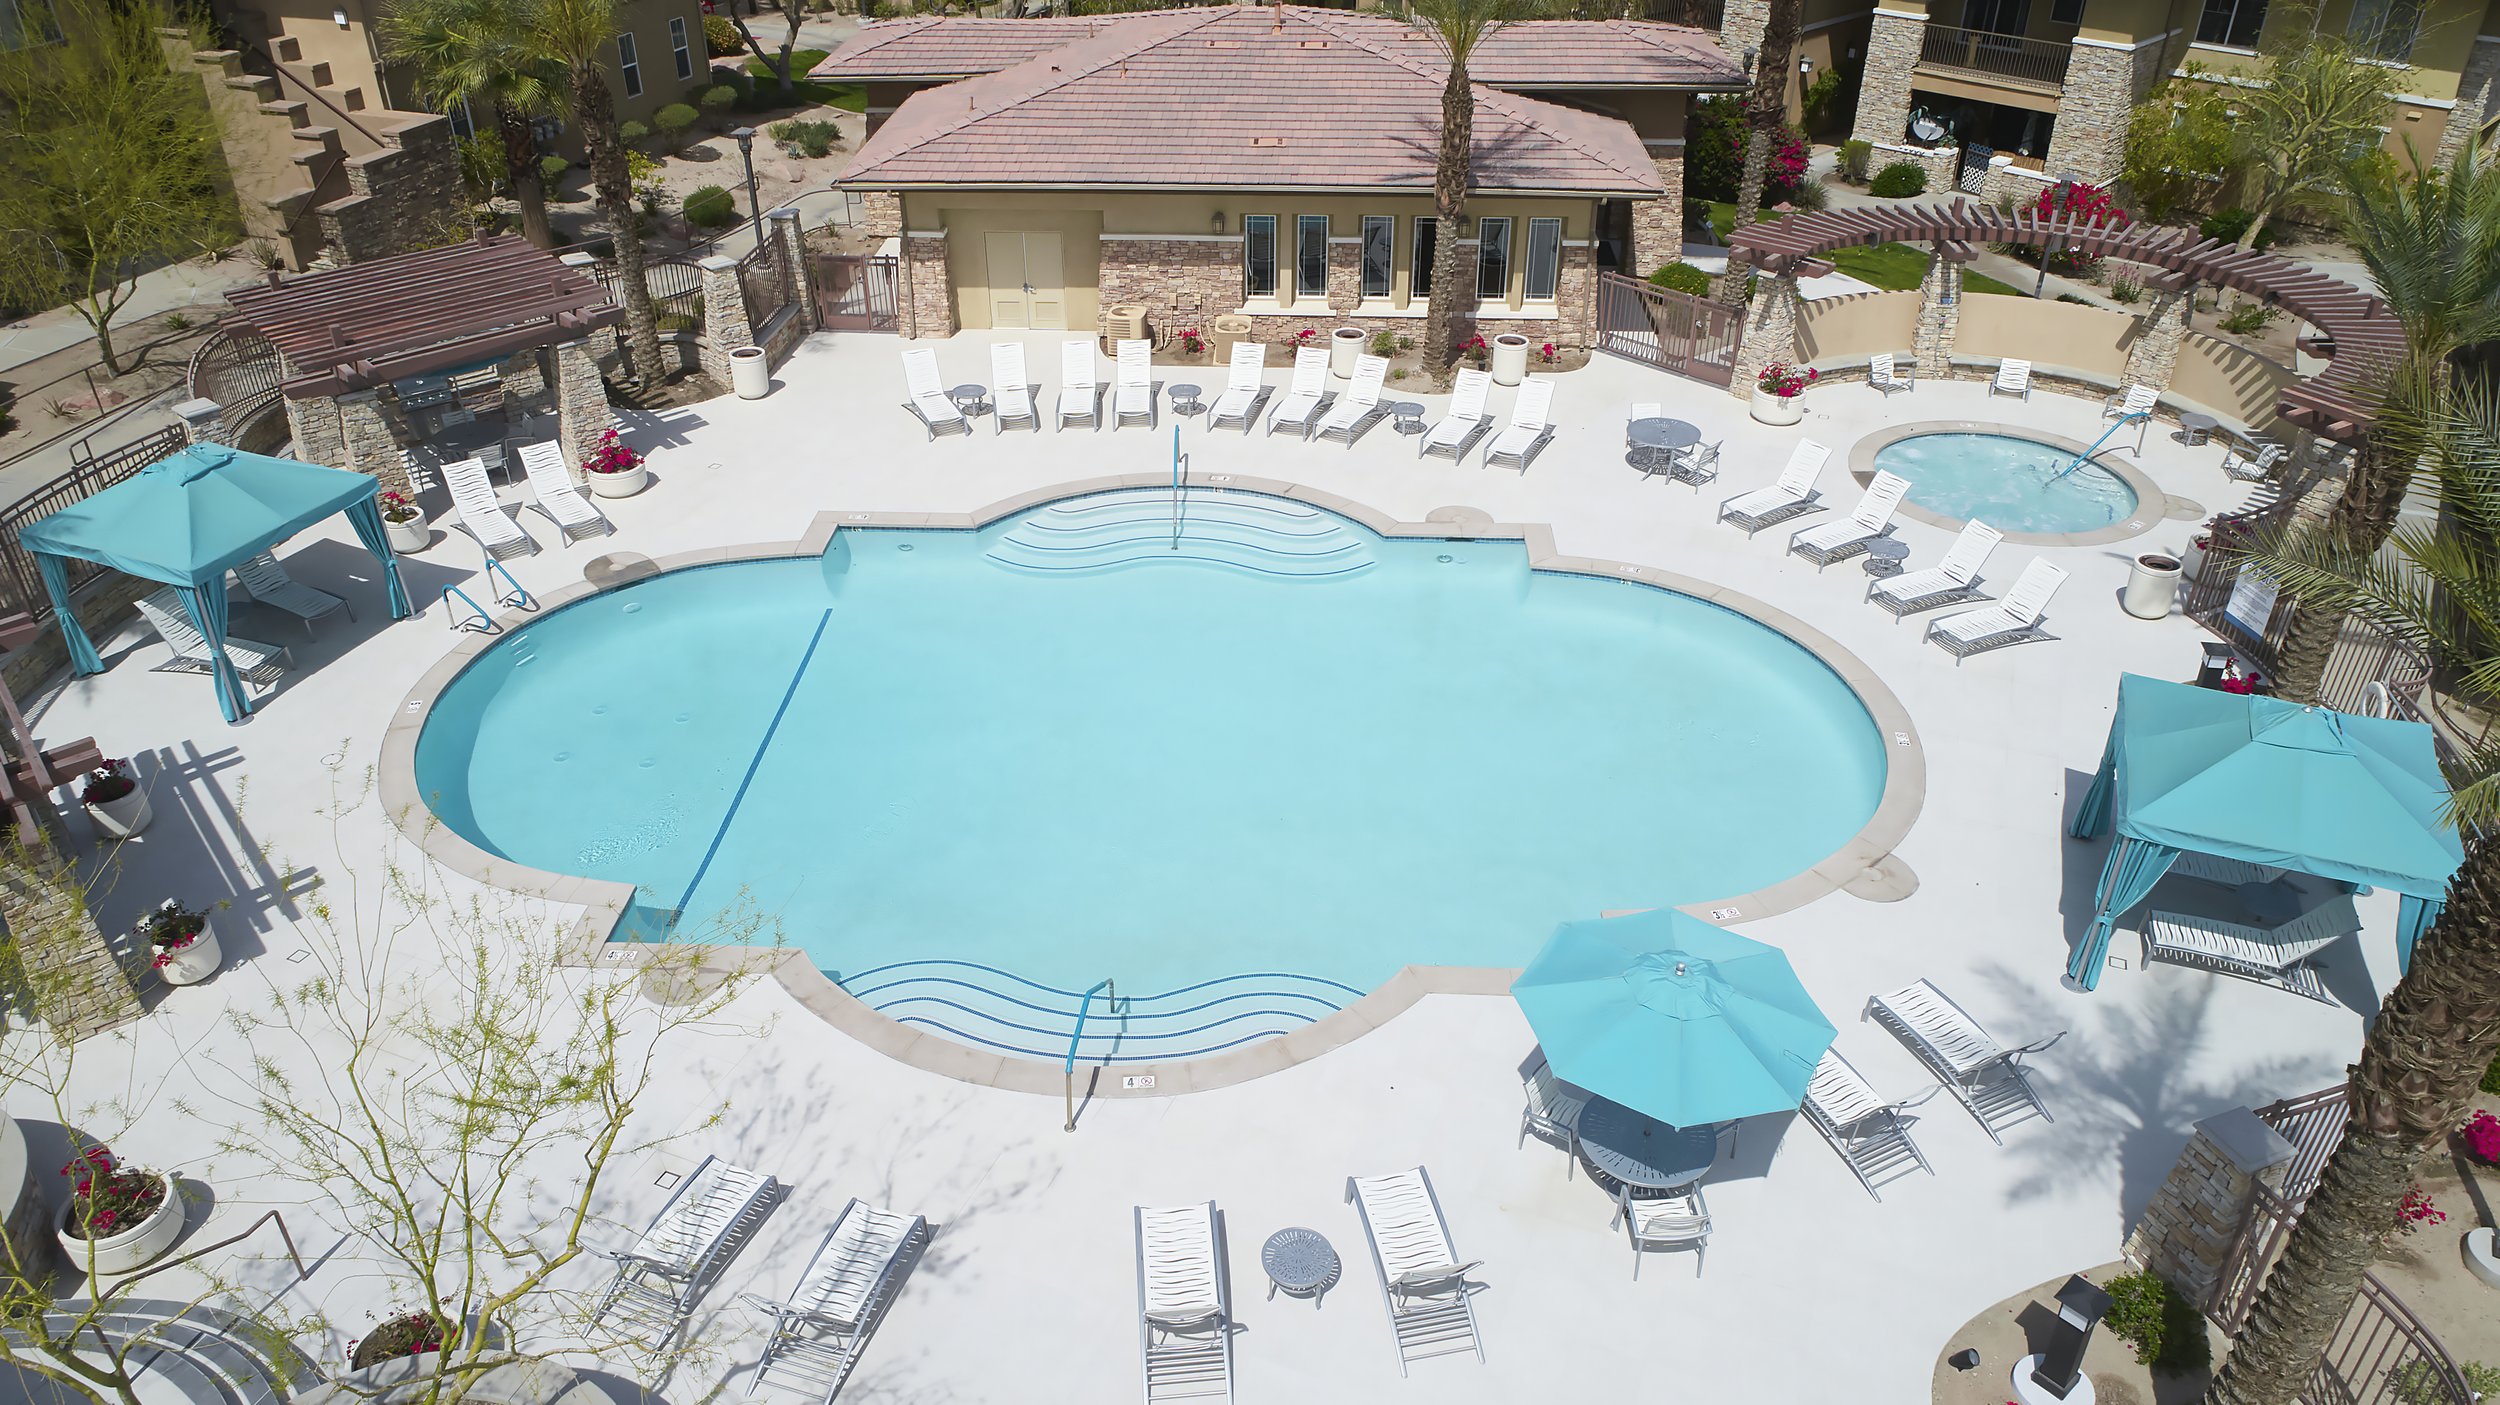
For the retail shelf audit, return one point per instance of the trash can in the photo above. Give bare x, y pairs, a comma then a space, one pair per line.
748, 373
2152, 586
1344, 344
1510, 359
1227, 332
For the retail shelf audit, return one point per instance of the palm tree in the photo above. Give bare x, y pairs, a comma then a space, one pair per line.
1458, 26
1766, 116
581, 35
2440, 1026
484, 53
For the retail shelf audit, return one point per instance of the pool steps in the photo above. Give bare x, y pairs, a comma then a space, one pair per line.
993, 1009
1263, 536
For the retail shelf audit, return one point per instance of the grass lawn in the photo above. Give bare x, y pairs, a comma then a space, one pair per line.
850, 97
1896, 267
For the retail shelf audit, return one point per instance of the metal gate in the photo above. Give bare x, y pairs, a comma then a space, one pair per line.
1672, 331
854, 292
1973, 173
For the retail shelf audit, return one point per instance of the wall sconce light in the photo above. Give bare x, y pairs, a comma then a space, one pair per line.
1215, 222
340, 16
1750, 55
1804, 65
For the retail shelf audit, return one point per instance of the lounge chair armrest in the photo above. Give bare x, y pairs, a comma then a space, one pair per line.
2035, 1046
1416, 1280
1177, 1322
1905, 1104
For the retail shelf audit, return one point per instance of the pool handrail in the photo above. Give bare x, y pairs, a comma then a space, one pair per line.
1068, 1073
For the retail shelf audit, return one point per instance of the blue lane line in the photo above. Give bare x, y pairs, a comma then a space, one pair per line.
756, 763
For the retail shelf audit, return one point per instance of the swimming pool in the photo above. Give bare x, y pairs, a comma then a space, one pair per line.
1262, 759
2012, 483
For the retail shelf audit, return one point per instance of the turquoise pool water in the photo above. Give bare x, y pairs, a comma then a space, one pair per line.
2008, 482
1065, 748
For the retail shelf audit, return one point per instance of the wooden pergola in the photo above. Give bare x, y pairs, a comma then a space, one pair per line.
434, 310
2356, 330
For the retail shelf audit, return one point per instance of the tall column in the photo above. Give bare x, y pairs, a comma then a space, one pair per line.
1893, 41
2478, 97
725, 327
928, 291
203, 421
1741, 23
787, 237
313, 424
1658, 225
2090, 137
2199, 1211
582, 413
1939, 314
1770, 331
371, 447
523, 383
2154, 354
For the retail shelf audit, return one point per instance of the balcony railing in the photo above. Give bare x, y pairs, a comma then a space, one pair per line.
2005, 58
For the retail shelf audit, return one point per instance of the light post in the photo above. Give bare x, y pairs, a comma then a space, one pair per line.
746, 154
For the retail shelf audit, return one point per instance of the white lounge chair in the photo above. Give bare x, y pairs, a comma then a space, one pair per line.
2134, 400
1011, 390
1466, 422
706, 1219
1359, 408
1869, 522
1245, 388
1080, 388
929, 403
1133, 386
842, 1294
493, 526
1871, 1135
1422, 1284
1308, 397
1887, 375
270, 585
1793, 494
2013, 620
558, 500
254, 662
1983, 1075
2013, 378
1952, 581
2252, 468
1553, 1108
1531, 427
1184, 1304
1676, 1220
2275, 956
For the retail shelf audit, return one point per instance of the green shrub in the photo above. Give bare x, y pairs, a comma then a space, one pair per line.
633, 134
717, 101
2491, 1077
811, 139
673, 120
2126, 290
1899, 181
2417, 1384
1384, 344
2228, 225
1683, 278
1854, 156
720, 35
711, 208
676, 322
1714, 154
2166, 1330
2247, 319
551, 169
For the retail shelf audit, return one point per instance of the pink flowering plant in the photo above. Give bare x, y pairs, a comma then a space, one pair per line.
1303, 337
1474, 349
171, 929
397, 508
1191, 342
613, 455
2416, 1212
2482, 1138
106, 1199
107, 783
1546, 353
406, 1334
1786, 381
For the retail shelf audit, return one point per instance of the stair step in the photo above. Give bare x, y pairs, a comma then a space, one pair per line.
298, 114
287, 48
1265, 536
987, 1008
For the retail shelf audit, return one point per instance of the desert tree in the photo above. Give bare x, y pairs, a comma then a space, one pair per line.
581, 36
1458, 28
485, 53
792, 13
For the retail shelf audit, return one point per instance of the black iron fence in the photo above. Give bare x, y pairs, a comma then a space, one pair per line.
21, 586
765, 282
240, 370
2365, 669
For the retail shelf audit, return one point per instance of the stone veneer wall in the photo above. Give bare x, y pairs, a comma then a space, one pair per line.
1658, 225
582, 412
2201, 1208
405, 197
1892, 47
2007, 181
1741, 25
928, 292
725, 327
1770, 332
1161, 274
2478, 96
2102, 85
1940, 162
880, 214
73, 980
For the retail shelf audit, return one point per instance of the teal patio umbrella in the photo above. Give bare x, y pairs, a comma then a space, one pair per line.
1673, 1017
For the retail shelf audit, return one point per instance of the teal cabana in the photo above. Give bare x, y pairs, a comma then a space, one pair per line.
2359, 800
188, 519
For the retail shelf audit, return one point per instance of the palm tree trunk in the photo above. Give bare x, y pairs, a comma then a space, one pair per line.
1766, 112
2364, 516
1449, 207
2433, 1039
595, 109
520, 166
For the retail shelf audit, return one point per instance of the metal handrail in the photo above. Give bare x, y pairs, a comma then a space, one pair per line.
301, 1272
1068, 1074
2032, 62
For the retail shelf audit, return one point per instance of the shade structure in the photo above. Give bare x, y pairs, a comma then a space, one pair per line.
189, 518
2360, 800
1673, 1017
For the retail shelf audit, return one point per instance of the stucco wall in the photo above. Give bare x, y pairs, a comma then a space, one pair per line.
1857, 326
2231, 381
2089, 341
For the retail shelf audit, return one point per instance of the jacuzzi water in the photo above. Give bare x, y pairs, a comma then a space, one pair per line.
1282, 758
2009, 482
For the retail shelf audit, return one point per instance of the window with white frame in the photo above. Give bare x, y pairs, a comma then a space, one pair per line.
629, 65
1258, 257
1493, 258
2232, 23
1310, 258
2385, 29
1379, 237
1544, 259
679, 48
1427, 241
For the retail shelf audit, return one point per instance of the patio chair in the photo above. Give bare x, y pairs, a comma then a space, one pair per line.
1466, 422
929, 403
2013, 378
1359, 408
1308, 397
1952, 581
2013, 620
2134, 400
1869, 522
1650, 463
1676, 1220
1871, 1135
1080, 389
842, 1294
1984, 1076
1184, 1304
558, 500
1793, 494
1887, 375
2275, 956
1011, 391
658, 1279
270, 585
1553, 1109
1695, 464
494, 527
1245, 389
254, 662
1133, 385
2250, 467
1531, 427
1422, 1284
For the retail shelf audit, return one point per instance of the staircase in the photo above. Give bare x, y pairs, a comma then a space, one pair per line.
198, 1354
1239, 531
993, 1009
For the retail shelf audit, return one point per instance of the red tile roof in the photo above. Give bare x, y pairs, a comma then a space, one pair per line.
1237, 96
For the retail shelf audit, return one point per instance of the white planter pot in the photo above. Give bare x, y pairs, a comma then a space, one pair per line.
1344, 344
2479, 1258
131, 1249
621, 485
196, 962
120, 819
2191, 561
2152, 586
1510, 358
1778, 409
409, 537
749, 374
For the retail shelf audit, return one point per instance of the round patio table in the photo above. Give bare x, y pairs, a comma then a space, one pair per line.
971, 399
1408, 416
1886, 557
1301, 1262
2195, 428
1655, 440
1185, 398
1639, 1150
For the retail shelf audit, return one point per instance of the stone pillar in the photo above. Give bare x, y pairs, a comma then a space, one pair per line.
2202, 1206
2478, 98
582, 413
2154, 354
1893, 42
523, 383
880, 214
792, 243
1770, 331
73, 980
2091, 132
1741, 23
725, 327
371, 447
203, 421
313, 423
1939, 315
928, 290
1658, 225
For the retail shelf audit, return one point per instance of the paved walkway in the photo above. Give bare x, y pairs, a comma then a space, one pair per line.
195, 283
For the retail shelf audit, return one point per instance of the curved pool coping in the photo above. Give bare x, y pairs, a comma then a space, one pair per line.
2150, 501
1864, 865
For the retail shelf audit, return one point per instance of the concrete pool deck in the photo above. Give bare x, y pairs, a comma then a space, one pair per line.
1027, 1291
